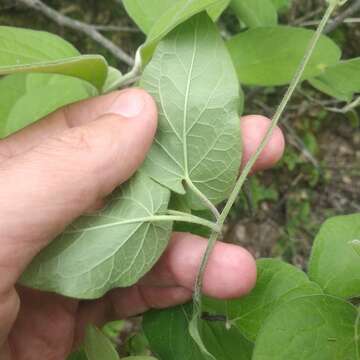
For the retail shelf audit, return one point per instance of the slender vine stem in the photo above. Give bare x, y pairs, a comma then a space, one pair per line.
171, 216
246, 171
128, 78
203, 198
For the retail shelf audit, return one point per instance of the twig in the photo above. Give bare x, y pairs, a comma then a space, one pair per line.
87, 29
307, 17
346, 21
347, 108
115, 28
350, 11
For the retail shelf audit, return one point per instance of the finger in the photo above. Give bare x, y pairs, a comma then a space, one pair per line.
123, 303
231, 270
231, 273
78, 114
254, 128
49, 186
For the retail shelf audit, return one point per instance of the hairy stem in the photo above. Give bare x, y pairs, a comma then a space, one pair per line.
246, 171
129, 78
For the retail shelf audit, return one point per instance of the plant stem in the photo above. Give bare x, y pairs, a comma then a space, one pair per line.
179, 216
245, 173
128, 78
203, 198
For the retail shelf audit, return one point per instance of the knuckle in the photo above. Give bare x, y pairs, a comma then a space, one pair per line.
75, 141
78, 139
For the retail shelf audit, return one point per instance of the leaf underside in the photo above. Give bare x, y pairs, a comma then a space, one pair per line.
198, 140
111, 249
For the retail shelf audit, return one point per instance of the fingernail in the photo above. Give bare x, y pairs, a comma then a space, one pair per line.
129, 104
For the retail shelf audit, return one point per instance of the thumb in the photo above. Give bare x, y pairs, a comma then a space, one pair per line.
47, 187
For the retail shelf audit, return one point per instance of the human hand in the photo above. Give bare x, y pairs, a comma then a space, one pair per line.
65, 165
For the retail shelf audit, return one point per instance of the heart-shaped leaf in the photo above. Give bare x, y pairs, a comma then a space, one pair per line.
277, 283
334, 263
168, 335
24, 50
181, 11
270, 56
341, 81
317, 327
111, 249
198, 140
22, 96
255, 13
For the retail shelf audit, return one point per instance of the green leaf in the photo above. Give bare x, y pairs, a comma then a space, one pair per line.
139, 358
317, 327
282, 5
111, 249
341, 81
146, 16
22, 96
255, 13
113, 76
78, 355
98, 346
170, 19
24, 50
270, 56
198, 140
277, 283
334, 264
216, 10
11, 88
356, 245
167, 332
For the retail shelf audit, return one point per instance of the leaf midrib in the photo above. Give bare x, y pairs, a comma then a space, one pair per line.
186, 103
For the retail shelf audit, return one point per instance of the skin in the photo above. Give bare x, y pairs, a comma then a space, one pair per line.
65, 165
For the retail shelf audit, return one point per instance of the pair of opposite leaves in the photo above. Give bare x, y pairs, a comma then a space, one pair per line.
198, 143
